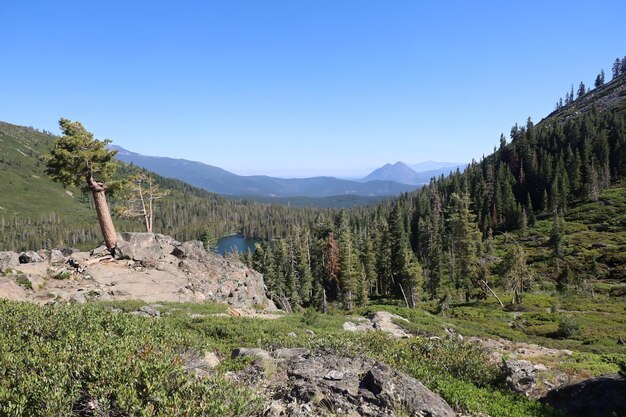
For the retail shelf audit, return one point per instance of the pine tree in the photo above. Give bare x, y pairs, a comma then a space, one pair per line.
600, 79
564, 279
362, 285
347, 262
331, 265
435, 244
80, 160
556, 235
581, 90
368, 259
515, 272
593, 189
413, 279
524, 225
465, 242
303, 260
399, 248
383, 258
617, 65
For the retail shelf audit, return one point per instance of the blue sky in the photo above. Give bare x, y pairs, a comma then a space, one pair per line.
297, 88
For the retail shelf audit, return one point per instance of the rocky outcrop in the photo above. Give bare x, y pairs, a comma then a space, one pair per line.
595, 397
380, 320
301, 382
9, 260
148, 266
30, 257
523, 364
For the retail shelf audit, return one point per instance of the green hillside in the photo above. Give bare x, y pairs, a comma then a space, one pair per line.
37, 213
25, 190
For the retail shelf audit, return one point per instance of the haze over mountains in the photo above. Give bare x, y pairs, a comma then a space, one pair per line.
386, 181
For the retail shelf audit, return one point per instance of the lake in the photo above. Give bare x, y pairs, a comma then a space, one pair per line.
225, 244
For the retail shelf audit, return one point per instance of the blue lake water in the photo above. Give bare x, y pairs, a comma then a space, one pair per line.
226, 244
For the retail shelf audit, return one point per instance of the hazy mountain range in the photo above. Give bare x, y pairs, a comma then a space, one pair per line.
385, 181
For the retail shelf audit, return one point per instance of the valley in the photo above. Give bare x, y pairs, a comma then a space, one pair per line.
136, 285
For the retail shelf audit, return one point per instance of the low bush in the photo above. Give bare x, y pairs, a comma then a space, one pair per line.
568, 327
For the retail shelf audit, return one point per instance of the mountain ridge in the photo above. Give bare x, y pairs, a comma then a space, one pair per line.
221, 181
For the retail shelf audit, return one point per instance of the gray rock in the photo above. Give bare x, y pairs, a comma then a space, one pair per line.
595, 397
255, 353
383, 321
193, 250
521, 375
348, 386
201, 365
36, 281
45, 254
98, 294
150, 311
290, 353
30, 257
354, 327
148, 247
57, 257
210, 360
9, 260
11, 290
68, 251
78, 297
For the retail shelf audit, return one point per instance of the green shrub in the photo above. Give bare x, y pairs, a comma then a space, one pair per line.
568, 327
619, 360
24, 282
310, 317
64, 360
63, 275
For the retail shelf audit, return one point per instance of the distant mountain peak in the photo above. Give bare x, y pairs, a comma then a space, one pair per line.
398, 172
417, 174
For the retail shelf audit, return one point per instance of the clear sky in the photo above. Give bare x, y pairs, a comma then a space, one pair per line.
300, 87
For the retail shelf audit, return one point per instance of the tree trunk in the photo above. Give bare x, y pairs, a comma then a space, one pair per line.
492, 292
102, 210
404, 295
414, 297
104, 217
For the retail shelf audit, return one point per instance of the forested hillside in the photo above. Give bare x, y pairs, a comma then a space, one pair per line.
547, 209
38, 213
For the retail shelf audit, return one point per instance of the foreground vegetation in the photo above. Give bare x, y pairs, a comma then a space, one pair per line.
64, 360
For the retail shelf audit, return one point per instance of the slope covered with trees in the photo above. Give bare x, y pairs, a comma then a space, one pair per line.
527, 215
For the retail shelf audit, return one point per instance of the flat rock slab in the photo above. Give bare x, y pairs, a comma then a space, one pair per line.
380, 320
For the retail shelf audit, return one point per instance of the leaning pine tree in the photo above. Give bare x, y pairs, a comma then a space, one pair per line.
80, 160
